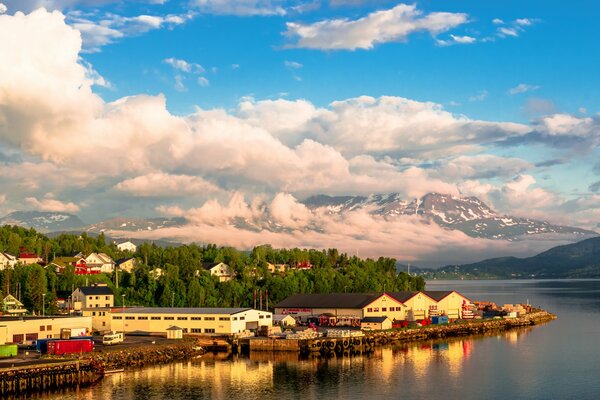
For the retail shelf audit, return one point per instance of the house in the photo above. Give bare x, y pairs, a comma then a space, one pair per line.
284, 320
101, 262
417, 304
79, 263
157, 320
157, 272
12, 306
95, 302
220, 270
276, 268
449, 302
127, 246
7, 261
27, 258
375, 323
341, 308
126, 264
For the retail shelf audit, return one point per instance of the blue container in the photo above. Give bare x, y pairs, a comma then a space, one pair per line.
442, 319
41, 345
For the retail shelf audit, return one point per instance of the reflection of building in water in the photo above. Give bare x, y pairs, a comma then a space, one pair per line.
455, 355
513, 336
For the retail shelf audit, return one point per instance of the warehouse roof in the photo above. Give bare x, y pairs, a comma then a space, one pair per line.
373, 320
181, 310
438, 295
332, 300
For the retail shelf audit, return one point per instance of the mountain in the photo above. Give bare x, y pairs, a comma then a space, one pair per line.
577, 260
467, 214
43, 221
135, 224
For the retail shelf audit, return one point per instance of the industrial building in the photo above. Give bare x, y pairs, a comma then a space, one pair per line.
96, 302
28, 329
151, 320
449, 302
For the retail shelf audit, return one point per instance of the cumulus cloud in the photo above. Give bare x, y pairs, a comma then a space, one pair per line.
3, 8
184, 66
50, 204
455, 39
482, 166
240, 7
165, 185
392, 25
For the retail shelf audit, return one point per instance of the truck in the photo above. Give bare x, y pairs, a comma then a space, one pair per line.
113, 338
73, 346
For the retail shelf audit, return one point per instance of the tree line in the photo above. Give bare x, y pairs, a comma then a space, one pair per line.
184, 283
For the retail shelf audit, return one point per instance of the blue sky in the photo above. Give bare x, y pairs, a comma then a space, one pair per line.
206, 107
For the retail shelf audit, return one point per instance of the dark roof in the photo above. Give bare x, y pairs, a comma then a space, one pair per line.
403, 296
209, 265
371, 320
122, 260
174, 328
180, 310
96, 290
438, 295
332, 300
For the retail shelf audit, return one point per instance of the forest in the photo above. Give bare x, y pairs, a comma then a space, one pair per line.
184, 282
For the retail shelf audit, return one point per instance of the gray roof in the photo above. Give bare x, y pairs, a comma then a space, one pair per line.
331, 300
96, 290
181, 310
372, 320
174, 328
438, 295
403, 296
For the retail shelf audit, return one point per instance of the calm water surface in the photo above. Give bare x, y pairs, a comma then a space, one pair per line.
558, 360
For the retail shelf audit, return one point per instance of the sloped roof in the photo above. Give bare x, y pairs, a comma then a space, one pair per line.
209, 265
404, 296
96, 290
438, 295
332, 300
181, 310
372, 320
123, 260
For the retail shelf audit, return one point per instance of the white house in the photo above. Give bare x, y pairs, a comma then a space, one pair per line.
7, 261
100, 261
127, 246
220, 270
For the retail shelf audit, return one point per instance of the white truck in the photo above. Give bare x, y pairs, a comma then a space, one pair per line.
113, 338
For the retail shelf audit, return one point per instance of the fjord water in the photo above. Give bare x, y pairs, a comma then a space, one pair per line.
558, 360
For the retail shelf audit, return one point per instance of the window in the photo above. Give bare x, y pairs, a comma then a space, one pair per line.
235, 318
209, 318
383, 309
242, 318
117, 317
90, 298
142, 318
107, 305
268, 316
155, 318
196, 318
223, 318
185, 330
103, 323
93, 313
105, 297
376, 309
169, 318
48, 327
182, 318
196, 330
369, 310
97, 297
209, 330
42, 328
129, 317
261, 316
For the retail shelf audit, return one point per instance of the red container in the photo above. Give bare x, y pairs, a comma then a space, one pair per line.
58, 347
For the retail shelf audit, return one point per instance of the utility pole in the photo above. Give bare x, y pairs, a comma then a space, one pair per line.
43, 304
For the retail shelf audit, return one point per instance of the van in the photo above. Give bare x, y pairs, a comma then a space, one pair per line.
113, 338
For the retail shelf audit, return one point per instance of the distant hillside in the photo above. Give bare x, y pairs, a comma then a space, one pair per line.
43, 221
577, 260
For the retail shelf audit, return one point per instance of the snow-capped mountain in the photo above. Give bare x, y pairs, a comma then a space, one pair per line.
467, 214
135, 224
43, 221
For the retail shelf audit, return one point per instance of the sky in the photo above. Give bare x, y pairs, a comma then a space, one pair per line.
217, 109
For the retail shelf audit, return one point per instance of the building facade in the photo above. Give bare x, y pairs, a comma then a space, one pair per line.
127, 246
92, 297
28, 329
224, 321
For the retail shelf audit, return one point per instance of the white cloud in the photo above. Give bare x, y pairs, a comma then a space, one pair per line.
508, 32
184, 66
482, 95
160, 184
524, 22
50, 204
482, 166
240, 7
3, 8
391, 25
497, 21
454, 39
292, 64
522, 88
202, 81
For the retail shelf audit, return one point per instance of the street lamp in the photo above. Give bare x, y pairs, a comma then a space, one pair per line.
43, 304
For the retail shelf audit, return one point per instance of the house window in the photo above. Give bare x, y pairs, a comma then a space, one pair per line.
48, 327
242, 318
42, 328
369, 310
235, 318
93, 313
155, 318
261, 316
209, 330
107, 305
376, 309
383, 309
106, 298
268, 316
103, 323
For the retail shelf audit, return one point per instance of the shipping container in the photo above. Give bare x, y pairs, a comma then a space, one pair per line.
8, 350
41, 345
73, 346
442, 319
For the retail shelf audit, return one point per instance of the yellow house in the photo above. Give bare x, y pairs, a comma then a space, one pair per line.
449, 302
417, 304
126, 264
97, 296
